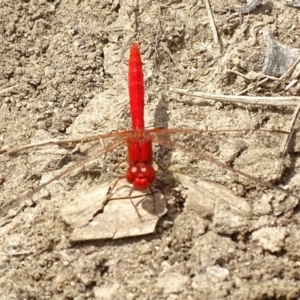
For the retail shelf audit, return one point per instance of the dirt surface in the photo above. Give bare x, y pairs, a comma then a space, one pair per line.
59, 62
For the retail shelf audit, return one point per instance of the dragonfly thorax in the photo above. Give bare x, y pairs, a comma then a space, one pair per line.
140, 171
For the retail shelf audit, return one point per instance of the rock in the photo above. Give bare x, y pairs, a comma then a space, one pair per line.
270, 238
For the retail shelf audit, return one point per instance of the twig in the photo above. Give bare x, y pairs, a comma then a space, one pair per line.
212, 23
111, 29
245, 10
253, 33
179, 67
290, 69
252, 85
287, 139
272, 101
16, 253
265, 77
11, 88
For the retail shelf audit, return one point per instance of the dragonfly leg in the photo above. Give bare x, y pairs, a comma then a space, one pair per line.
159, 165
153, 197
111, 188
152, 193
118, 165
130, 198
109, 194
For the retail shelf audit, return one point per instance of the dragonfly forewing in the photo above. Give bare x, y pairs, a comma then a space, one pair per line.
61, 174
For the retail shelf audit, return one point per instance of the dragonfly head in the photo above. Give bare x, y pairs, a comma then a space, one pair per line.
141, 175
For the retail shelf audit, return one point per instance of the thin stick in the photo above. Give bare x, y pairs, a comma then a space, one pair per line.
245, 10
179, 66
267, 77
11, 88
112, 29
253, 33
16, 253
290, 69
252, 85
258, 75
287, 138
212, 23
272, 101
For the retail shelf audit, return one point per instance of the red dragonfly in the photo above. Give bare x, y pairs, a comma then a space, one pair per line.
140, 172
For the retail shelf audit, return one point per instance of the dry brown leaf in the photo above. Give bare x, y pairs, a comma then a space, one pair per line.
118, 219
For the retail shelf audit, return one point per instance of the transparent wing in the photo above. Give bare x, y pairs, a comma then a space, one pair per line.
216, 140
66, 142
116, 140
252, 154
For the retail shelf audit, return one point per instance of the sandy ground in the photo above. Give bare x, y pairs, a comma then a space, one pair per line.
63, 73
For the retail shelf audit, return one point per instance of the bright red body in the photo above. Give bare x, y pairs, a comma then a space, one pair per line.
140, 171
